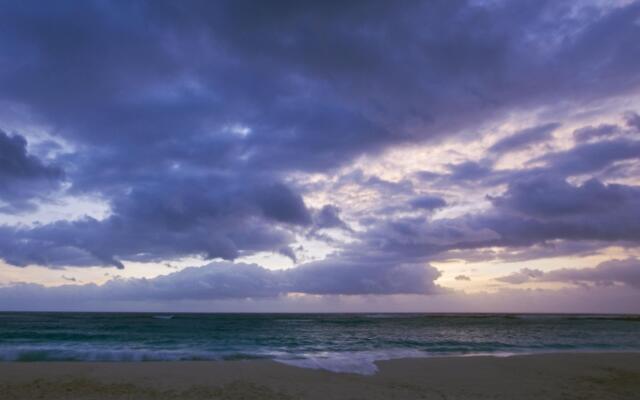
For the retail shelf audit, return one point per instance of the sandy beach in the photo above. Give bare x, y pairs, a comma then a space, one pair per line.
553, 376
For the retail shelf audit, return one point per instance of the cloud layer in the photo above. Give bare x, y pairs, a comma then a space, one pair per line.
230, 129
608, 273
222, 280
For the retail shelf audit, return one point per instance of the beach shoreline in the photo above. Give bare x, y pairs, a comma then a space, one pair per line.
548, 376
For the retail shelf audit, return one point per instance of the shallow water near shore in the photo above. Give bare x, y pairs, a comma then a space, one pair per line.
335, 342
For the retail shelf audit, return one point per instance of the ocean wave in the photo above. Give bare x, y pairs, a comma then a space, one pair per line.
163, 316
356, 362
333, 342
73, 353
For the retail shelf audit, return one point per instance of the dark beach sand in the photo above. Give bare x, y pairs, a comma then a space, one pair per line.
557, 376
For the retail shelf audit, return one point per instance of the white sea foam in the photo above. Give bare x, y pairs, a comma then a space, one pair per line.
360, 362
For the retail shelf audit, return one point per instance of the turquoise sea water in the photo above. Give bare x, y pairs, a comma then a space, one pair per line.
337, 342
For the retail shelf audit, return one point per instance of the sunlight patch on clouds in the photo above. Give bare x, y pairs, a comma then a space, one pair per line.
269, 260
483, 274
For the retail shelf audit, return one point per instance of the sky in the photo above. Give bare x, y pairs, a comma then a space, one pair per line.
436, 156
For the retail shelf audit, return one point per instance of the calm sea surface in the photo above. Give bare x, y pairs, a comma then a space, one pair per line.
338, 342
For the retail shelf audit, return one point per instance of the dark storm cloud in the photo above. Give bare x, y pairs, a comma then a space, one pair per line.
426, 202
524, 138
626, 272
591, 157
632, 120
595, 132
470, 171
315, 83
212, 218
552, 197
189, 117
540, 209
23, 177
345, 275
329, 217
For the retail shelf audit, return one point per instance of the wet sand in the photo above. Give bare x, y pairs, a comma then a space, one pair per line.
555, 376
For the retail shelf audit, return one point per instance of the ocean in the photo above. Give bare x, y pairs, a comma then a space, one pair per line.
336, 342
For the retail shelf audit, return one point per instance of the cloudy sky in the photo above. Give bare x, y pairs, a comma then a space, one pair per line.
320, 156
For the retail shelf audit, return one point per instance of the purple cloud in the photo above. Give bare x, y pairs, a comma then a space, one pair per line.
607, 273
194, 123
23, 177
222, 280
524, 138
